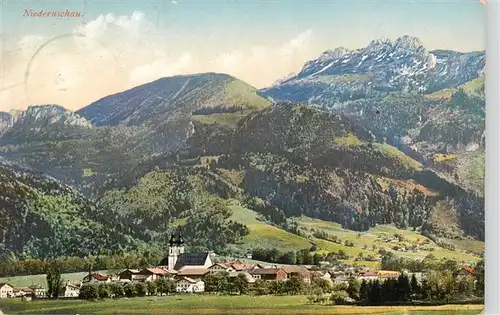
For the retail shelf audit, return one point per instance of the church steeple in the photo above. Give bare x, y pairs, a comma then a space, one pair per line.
172, 240
180, 240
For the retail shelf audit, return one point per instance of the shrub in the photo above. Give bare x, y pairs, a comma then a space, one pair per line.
141, 289
130, 290
103, 291
116, 290
339, 297
88, 291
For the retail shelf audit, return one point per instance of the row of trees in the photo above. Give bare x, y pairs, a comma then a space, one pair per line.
303, 256
93, 291
139, 259
442, 287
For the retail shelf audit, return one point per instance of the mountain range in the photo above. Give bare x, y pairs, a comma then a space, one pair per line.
382, 67
390, 134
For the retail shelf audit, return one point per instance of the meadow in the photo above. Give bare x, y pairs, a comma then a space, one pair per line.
213, 304
264, 235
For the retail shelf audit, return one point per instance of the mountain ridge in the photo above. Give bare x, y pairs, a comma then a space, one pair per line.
383, 66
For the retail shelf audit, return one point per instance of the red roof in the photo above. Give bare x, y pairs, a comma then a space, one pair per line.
97, 276
469, 270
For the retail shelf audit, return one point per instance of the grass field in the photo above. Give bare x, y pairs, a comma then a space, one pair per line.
24, 281
210, 304
368, 243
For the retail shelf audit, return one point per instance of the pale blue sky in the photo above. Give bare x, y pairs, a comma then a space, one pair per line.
129, 43
455, 24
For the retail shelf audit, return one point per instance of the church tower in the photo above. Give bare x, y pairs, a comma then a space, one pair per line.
175, 249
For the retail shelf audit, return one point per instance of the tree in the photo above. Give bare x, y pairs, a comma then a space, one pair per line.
294, 285
211, 282
415, 287
364, 291
277, 287
390, 261
130, 290
117, 290
88, 291
353, 288
375, 294
322, 284
165, 286
152, 288
141, 289
261, 287
103, 291
54, 281
339, 297
404, 288
480, 277
240, 284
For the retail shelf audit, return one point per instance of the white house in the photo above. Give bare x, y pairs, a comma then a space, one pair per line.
6, 290
189, 285
38, 290
71, 291
18, 292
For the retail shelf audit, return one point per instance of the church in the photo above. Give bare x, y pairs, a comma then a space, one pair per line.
178, 260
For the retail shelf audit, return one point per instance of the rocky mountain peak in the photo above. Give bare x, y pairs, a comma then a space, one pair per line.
53, 114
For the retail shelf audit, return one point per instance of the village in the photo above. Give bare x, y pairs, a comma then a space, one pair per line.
188, 271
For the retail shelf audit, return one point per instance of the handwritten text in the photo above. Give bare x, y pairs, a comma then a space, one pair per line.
55, 14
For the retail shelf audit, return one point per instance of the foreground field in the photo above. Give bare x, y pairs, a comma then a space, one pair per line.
210, 304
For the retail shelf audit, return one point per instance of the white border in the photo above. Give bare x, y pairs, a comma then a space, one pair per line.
492, 187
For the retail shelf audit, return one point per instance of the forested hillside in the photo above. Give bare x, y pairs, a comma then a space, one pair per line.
230, 155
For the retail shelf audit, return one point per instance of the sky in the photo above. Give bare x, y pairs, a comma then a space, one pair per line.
116, 45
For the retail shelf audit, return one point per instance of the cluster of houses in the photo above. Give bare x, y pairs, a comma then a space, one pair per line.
189, 269
9, 291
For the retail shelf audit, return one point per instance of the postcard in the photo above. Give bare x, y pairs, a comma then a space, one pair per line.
242, 156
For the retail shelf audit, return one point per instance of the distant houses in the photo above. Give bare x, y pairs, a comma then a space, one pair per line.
187, 271
6, 290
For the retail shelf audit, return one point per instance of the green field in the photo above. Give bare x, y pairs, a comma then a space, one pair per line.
368, 243
211, 304
24, 281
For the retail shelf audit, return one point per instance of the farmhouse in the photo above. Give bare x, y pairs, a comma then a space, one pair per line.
298, 271
152, 274
128, 275
71, 290
19, 292
220, 267
6, 290
321, 275
96, 278
38, 290
188, 285
269, 274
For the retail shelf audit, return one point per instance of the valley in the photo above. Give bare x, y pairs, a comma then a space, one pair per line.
333, 158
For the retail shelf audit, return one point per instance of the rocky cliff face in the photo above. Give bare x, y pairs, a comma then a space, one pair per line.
5, 122
383, 66
49, 122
